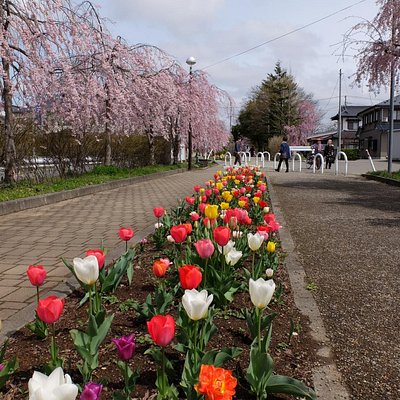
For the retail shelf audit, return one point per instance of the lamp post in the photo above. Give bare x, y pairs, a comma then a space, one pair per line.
190, 61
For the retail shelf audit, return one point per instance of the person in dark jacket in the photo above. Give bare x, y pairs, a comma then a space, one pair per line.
329, 154
238, 148
284, 149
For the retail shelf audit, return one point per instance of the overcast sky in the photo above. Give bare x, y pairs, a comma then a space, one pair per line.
212, 30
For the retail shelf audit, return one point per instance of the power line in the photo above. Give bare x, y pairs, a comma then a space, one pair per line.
283, 35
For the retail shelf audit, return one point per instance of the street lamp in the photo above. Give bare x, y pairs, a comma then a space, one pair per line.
190, 61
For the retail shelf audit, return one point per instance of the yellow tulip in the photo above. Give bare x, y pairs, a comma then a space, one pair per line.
224, 205
237, 181
202, 190
211, 211
229, 198
241, 203
256, 199
271, 247
219, 185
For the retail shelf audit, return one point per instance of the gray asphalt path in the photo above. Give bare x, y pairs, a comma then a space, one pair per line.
346, 231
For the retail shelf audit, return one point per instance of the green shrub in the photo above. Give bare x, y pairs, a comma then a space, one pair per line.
352, 154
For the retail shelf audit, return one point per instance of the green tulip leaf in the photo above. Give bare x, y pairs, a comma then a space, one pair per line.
287, 385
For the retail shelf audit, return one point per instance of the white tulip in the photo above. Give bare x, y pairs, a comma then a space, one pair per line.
87, 269
227, 248
261, 292
170, 239
233, 257
158, 225
254, 241
56, 386
266, 210
196, 303
269, 272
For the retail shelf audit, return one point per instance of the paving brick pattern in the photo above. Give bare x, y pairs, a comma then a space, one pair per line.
67, 229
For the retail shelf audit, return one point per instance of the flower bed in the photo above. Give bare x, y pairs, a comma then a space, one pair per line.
198, 326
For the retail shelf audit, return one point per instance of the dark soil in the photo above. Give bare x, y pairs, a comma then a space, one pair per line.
295, 359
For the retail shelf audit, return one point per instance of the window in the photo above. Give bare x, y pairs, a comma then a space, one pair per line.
352, 125
385, 115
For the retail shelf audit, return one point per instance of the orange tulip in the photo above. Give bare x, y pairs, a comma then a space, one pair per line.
216, 383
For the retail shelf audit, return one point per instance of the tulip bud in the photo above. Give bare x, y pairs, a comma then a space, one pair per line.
271, 247
269, 272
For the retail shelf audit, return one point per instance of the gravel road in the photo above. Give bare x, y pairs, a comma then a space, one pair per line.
347, 234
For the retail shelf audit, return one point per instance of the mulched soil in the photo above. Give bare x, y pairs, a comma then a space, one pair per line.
295, 359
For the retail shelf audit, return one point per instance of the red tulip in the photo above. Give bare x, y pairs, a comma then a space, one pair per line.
158, 212
160, 267
49, 310
178, 233
194, 216
190, 276
202, 207
269, 218
222, 234
262, 203
99, 254
197, 188
126, 234
208, 192
263, 231
204, 247
36, 274
190, 200
161, 329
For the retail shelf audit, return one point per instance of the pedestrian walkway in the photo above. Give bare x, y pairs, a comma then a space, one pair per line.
346, 233
67, 229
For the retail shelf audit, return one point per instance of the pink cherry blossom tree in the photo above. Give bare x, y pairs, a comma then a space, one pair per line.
377, 45
309, 119
41, 40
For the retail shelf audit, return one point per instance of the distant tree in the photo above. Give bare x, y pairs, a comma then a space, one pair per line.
277, 107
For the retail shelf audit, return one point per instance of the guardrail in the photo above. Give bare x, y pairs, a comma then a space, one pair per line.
346, 162
228, 154
294, 159
315, 162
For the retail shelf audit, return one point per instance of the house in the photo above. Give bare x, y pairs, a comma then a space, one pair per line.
373, 134
351, 123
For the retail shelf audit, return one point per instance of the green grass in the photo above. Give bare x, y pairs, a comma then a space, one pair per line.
385, 174
98, 175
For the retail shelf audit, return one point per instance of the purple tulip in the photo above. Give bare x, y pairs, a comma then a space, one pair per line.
92, 391
126, 346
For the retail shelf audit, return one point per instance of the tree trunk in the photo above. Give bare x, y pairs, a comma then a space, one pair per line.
9, 142
150, 137
107, 157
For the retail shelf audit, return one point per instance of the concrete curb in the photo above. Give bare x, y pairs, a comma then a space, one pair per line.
8, 207
327, 379
388, 181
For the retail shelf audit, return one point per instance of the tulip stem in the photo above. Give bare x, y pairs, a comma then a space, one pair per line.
259, 328
195, 342
205, 274
164, 383
126, 246
37, 294
252, 265
127, 392
90, 301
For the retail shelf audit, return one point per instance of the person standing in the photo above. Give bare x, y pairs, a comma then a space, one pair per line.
237, 152
329, 154
284, 150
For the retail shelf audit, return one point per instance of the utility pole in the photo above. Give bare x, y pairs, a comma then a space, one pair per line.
339, 149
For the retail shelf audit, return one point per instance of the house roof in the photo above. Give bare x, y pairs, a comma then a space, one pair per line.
349, 111
321, 136
383, 104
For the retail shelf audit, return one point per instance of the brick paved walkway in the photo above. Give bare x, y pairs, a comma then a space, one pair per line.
45, 234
